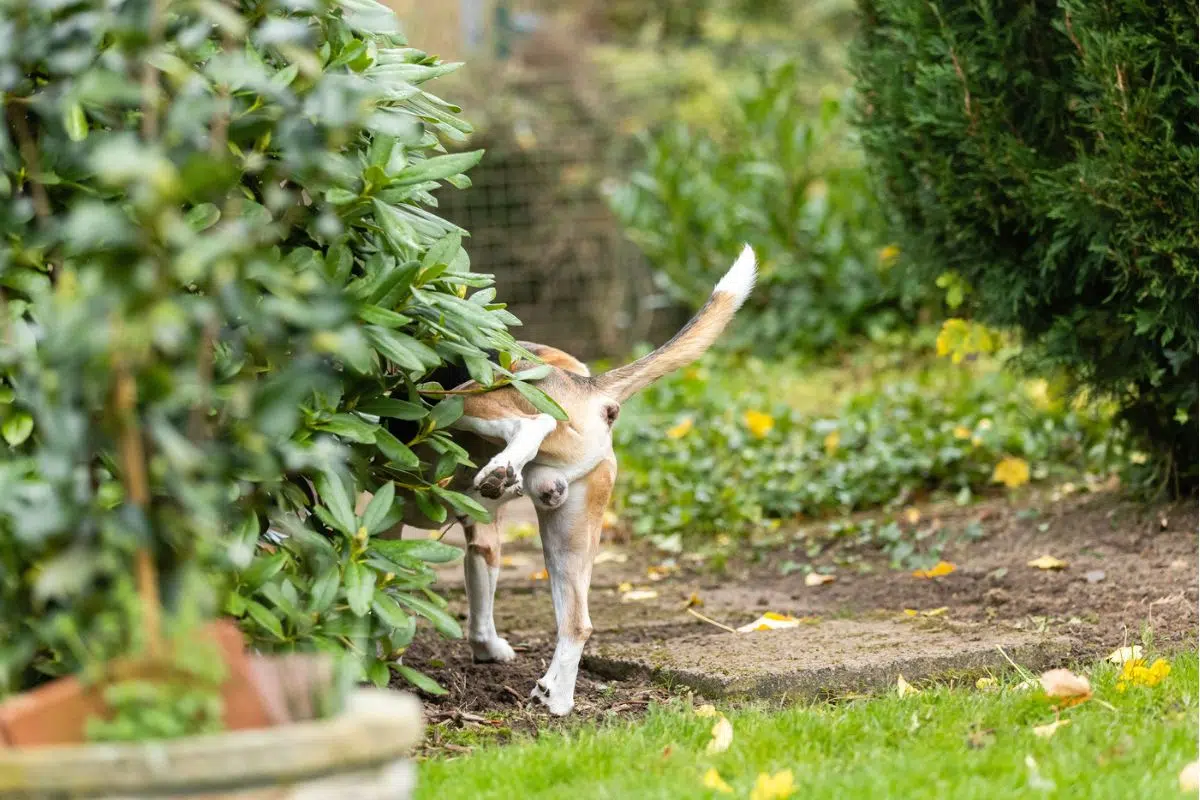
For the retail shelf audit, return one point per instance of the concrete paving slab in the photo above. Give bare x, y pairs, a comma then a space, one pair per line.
829, 658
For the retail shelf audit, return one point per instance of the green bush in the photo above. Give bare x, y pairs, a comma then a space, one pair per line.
219, 253
702, 452
789, 181
1047, 153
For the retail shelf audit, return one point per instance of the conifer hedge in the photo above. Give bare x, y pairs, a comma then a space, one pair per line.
1047, 153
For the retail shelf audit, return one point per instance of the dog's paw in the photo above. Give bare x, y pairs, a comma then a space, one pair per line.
496, 650
498, 479
556, 702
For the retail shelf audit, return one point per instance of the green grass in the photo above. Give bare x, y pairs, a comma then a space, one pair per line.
961, 743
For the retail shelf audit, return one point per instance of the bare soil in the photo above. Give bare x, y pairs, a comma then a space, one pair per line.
1131, 576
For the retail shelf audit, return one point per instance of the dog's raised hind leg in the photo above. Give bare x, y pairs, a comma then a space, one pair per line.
522, 436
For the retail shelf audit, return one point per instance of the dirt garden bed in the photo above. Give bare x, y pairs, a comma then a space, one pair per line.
1131, 576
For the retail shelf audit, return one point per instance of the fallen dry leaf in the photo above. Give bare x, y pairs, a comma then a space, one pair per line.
712, 780
817, 579
1048, 562
903, 687
779, 786
722, 737
911, 612
912, 516
540, 575
638, 595
936, 571
656, 572
514, 561
613, 556
1066, 685
935, 612
1048, 730
1123, 654
694, 601
706, 710
1189, 778
986, 684
624, 587
1012, 472
770, 621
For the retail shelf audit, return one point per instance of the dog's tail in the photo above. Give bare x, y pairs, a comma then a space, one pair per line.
692, 340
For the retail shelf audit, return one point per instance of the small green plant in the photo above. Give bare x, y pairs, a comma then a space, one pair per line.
716, 449
790, 181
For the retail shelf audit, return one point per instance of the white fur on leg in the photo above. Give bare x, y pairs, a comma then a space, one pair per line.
486, 644
556, 689
569, 562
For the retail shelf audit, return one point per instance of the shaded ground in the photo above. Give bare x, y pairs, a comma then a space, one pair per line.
1131, 577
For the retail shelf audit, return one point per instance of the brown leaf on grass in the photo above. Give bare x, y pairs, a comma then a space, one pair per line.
1065, 685
1048, 562
817, 579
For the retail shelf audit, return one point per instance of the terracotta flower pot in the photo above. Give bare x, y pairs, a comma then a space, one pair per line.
57, 712
358, 754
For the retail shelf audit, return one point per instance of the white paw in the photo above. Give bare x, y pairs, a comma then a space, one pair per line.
557, 702
497, 650
497, 479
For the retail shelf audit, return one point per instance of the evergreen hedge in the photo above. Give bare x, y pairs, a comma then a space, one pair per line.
1047, 153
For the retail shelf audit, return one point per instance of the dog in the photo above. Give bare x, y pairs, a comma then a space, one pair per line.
568, 469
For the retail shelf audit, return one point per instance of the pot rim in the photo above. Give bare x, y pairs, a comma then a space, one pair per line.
377, 727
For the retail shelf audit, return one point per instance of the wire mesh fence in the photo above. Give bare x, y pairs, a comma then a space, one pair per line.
537, 209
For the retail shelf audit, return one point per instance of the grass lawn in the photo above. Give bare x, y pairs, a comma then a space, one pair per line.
943, 742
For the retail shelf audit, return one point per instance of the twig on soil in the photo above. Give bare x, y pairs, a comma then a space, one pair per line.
703, 618
516, 695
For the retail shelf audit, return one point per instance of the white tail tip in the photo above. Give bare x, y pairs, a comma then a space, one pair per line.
739, 280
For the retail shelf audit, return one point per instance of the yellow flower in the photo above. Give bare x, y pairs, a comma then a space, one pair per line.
712, 780
1135, 672
831, 442
773, 787
760, 424
680, 430
1012, 472
962, 432
888, 255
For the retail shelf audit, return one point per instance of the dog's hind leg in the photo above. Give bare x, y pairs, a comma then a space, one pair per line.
481, 568
522, 436
570, 538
